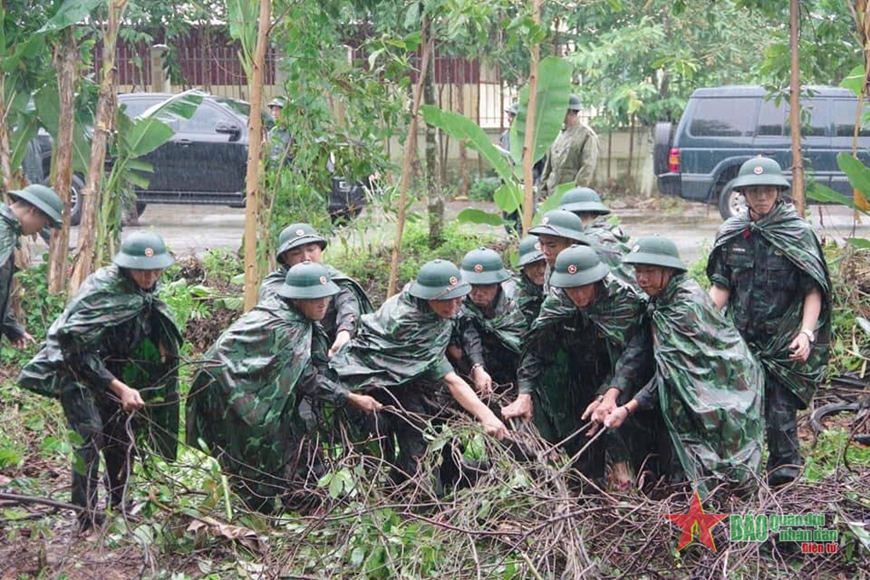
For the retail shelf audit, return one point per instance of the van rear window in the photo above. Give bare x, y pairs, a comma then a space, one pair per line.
723, 117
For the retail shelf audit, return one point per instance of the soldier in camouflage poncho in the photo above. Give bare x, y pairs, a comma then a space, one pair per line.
300, 242
399, 354
33, 208
573, 155
529, 283
490, 326
707, 384
570, 353
608, 240
113, 349
243, 401
558, 230
768, 269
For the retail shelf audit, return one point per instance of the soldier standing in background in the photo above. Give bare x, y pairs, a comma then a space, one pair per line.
573, 156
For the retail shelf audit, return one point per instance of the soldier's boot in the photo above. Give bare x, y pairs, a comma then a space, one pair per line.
784, 460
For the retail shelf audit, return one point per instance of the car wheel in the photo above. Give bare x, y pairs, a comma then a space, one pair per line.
75, 199
140, 208
731, 202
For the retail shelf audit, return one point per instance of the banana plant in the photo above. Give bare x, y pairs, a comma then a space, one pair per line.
553, 92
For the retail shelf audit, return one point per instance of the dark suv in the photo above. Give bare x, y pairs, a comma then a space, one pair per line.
205, 161
724, 126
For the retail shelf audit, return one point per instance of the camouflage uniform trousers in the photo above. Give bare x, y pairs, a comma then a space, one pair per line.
102, 427
780, 414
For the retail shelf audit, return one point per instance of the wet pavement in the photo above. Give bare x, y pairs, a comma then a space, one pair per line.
196, 229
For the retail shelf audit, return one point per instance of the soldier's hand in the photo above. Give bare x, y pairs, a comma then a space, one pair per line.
131, 400
616, 418
23, 340
494, 427
800, 348
590, 409
482, 380
521, 408
341, 339
364, 402
604, 409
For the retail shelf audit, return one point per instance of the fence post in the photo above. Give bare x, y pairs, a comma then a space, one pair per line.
159, 78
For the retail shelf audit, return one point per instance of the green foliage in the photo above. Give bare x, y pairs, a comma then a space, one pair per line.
40, 310
698, 268
553, 91
482, 189
830, 450
370, 265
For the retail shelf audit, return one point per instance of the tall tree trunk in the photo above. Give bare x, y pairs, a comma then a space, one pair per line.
103, 124
65, 61
463, 154
252, 177
528, 152
5, 154
434, 202
797, 179
410, 143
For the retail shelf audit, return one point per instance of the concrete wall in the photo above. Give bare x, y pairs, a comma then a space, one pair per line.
642, 177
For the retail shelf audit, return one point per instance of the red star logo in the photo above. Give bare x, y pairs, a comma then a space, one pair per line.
696, 516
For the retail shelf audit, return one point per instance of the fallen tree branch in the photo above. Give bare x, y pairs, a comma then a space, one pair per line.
17, 498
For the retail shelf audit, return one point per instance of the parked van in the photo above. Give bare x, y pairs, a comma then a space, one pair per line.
724, 126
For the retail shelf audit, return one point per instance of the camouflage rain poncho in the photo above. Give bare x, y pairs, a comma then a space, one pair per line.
399, 354
569, 354
500, 333
10, 229
345, 308
528, 297
770, 334
707, 384
243, 400
114, 329
404, 341
610, 244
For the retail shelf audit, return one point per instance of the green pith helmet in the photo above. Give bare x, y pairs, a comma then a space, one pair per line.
483, 266
655, 251
760, 171
306, 281
562, 224
578, 266
42, 198
574, 103
296, 235
530, 251
512, 110
276, 102
143, 251
439, 280
583, 199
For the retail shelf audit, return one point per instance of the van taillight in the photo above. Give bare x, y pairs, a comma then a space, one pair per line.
674, 160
